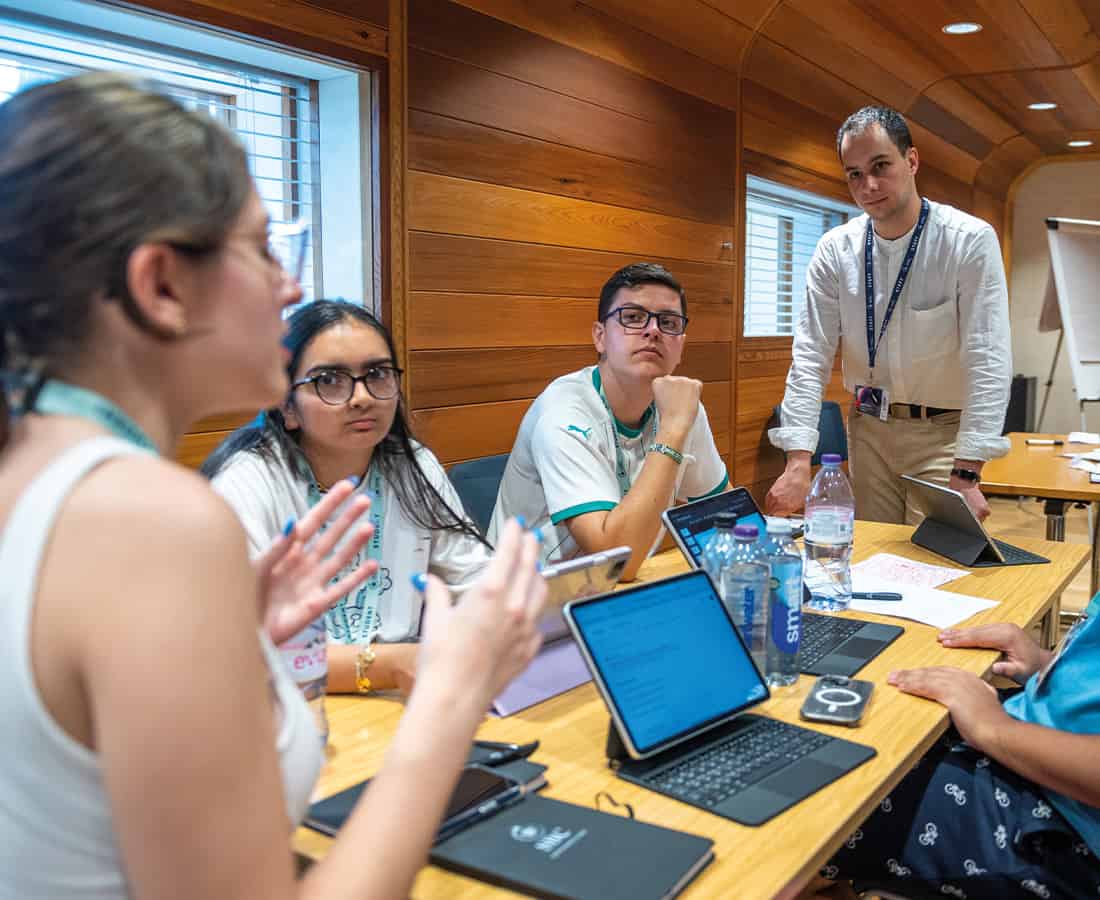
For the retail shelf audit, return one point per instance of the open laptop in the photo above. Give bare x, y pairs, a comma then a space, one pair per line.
678, 682
951, 529
830, 645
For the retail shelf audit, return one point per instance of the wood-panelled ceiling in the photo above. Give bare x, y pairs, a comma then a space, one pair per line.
965, 95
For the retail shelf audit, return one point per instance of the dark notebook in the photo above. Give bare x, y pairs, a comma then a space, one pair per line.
547, 848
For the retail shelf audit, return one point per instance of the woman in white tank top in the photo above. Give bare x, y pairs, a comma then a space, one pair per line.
152, 746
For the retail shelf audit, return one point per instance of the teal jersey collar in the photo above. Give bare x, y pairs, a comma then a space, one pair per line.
58, 398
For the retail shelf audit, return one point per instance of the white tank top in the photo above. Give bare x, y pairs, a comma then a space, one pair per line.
56, 834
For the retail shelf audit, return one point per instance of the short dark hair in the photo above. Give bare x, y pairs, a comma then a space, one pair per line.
889, 119
635, 275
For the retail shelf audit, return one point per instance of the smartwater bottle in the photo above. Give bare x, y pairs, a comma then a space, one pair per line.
718, 552
830, 515
784, 606
306, 656
746, 579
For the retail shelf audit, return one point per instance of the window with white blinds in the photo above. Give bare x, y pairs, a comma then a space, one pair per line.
782, 228
274, 114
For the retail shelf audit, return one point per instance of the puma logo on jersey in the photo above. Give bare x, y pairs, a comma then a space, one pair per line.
583, 432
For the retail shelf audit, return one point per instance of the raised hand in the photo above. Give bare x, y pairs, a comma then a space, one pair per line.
296, 571
677, 401
1020, 658
490, 635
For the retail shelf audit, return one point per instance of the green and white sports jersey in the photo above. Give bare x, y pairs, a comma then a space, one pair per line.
564, 464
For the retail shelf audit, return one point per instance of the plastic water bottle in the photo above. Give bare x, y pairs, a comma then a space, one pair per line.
742, 580
784, 606
830, 514
306, 656
718, 552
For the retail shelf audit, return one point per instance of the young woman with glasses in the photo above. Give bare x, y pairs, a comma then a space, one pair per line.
344, 417
153, 746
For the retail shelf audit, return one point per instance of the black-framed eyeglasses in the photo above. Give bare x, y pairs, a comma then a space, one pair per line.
635, 318
336, 387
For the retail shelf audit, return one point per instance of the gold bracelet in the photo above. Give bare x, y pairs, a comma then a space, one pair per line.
363, 659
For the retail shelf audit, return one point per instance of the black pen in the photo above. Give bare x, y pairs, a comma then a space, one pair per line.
484, 811
876, 595
501, 753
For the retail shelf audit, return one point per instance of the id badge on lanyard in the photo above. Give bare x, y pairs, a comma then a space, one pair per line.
871, 400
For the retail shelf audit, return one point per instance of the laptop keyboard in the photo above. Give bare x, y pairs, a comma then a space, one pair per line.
1017, 554
821, 635
731, 765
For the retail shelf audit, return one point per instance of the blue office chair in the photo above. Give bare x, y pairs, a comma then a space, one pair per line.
477, 483
832, 436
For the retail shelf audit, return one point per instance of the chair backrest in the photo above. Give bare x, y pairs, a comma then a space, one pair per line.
477, 483
832, 438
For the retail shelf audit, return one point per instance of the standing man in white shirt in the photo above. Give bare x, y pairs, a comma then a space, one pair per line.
917, 290
603, 451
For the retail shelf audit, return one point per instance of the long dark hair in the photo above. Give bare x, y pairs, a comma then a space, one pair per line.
92, 167
269, 438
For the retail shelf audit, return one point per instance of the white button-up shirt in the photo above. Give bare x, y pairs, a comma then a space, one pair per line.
947, 344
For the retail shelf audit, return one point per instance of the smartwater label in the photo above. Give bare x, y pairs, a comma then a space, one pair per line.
786, 612
830, 525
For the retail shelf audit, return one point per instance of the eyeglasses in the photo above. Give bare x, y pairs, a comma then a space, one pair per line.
635, 318
336, 388
287, 242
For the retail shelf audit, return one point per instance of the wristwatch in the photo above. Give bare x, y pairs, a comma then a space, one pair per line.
966, 475
363, 659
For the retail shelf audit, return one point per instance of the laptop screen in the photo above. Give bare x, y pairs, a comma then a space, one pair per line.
694, 522
669, 658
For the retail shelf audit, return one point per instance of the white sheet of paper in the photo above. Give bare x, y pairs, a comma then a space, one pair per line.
941, 609
1091, 455
898, 569
1086, 465
1083, 437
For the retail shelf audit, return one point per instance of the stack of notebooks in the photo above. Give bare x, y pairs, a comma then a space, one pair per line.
547, 848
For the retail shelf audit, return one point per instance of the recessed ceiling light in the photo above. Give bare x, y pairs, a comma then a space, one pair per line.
1042, 105
962, 28
1079, 144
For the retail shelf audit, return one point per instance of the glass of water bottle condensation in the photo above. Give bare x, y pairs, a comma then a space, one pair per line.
306, 657
829, 524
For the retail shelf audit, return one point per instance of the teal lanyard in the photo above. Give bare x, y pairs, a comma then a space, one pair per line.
356, 620
58, 398
622, 474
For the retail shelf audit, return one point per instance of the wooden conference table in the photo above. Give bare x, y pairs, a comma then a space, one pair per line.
1043, 472
779, 857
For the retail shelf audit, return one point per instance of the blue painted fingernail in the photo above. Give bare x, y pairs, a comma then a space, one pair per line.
289, 526
419, 581
522, 521
538, 565
538, 535
354, 479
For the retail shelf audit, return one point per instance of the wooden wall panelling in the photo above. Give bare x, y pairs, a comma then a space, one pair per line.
449, 146
466, 321
376, 12
452, 377
446, 87
953, 95
1002, 166
196, 446
821, 44
691, 24
601, 36
461, 35
456, 206
441, 262
293, 23
1067, 26
396, 305
764, 166
796, 78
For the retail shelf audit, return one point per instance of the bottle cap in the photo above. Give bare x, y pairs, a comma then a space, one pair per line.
747, 532
725, 520
779, 526
830, 459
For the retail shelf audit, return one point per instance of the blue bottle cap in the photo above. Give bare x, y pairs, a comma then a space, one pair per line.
830, 459
746, 532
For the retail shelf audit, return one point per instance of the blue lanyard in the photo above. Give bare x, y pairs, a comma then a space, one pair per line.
58, 398
869, 281
622, 475
356, 620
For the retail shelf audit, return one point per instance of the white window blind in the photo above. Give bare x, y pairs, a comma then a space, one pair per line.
782, 228
273, 114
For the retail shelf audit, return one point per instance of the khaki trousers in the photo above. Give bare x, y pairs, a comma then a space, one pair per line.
879, 452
